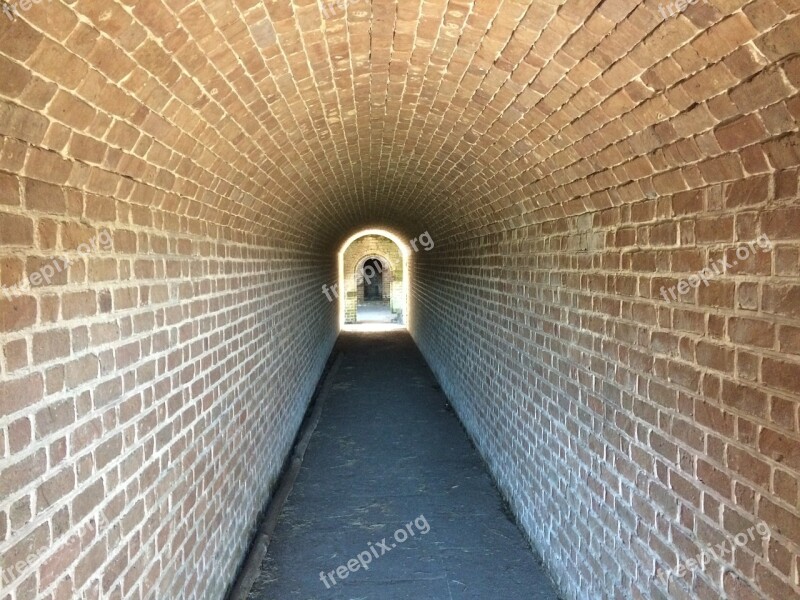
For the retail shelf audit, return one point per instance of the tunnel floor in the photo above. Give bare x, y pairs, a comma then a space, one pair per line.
389, 455
375, 312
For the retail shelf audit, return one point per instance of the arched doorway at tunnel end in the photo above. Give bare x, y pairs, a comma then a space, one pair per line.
374, 277
373, 273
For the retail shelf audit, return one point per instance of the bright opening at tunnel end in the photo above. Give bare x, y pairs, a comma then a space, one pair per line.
371, 266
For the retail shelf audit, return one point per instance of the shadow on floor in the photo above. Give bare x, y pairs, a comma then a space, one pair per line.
393, 501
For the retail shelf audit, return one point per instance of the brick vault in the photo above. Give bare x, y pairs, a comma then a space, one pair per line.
612, 305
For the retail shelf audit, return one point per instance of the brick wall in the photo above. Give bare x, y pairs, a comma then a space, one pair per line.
150, 392
629, 430
361, 250
569, 157
149, 396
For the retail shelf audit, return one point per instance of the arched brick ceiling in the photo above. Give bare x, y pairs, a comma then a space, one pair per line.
455, 116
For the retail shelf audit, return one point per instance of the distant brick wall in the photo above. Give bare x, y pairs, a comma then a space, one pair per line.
630, 432
385, 250
155, 387
385, 276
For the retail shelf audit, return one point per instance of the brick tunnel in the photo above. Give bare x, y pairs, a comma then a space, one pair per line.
610, 307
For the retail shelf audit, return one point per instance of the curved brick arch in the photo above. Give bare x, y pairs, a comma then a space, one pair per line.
577, 162
387, 277
386, 265
360, 250
385, 262
550, 136
373, 246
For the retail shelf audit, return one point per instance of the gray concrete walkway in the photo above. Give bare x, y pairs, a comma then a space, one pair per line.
375, 312
390, 455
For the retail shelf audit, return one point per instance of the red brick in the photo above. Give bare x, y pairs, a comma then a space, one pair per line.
781, 41
746, 399
783, 300
714, 356
15, 230
55, 488
782, 223
744, 131
43, 272
17, 313
713, 418
752, 332
714, 229
749, 467
74, 235
737, 588
50, 345
779, 519
48, 234
789, 339
60, 561
31, 544
9, 190
44, 197
714, 478
12, 273
754, 190
79, 304
81, 370
55, 417
19, 435
23, 472
780, 448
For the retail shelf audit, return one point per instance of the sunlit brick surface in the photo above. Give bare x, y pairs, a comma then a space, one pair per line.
355, 256
569, 158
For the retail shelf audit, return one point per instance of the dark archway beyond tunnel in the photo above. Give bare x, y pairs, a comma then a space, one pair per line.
610, 305
372, 289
